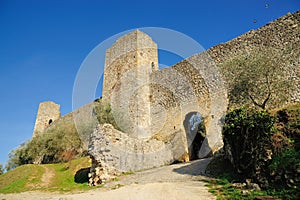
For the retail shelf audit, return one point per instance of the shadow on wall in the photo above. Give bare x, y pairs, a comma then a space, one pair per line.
195, 133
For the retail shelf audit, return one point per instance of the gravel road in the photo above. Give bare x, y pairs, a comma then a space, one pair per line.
179, 181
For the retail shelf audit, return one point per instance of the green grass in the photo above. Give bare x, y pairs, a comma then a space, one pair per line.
63, 181
21, 179
223, 189
28, 177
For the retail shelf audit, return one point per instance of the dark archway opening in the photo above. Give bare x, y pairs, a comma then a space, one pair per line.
197, 142
195, 133
50, 121
82, 175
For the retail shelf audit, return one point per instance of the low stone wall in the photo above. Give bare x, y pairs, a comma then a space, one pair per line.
114, 152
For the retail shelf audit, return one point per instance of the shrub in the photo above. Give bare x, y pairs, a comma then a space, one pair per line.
103, 112
1, 169
285, 169
51, 147
247, 142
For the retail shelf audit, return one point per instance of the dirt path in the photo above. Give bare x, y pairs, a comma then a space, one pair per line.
45, 179
47, 176
180, 181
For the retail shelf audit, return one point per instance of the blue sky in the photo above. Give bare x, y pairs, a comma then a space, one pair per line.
43, 43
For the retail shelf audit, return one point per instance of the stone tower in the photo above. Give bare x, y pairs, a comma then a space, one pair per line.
48, 112
128, 65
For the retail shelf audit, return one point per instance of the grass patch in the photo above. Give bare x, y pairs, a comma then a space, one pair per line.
223, 188
227, 185
127, 173
63, 181
21, 179
29, 177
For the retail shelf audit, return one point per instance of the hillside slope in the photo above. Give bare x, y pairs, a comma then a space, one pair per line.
49, 177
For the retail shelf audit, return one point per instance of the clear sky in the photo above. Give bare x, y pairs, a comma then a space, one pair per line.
43, 43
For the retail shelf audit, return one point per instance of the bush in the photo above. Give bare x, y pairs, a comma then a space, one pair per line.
285, 169
1, 169
51, 147
247, 142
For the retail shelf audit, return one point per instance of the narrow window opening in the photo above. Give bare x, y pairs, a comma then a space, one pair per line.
50, 121
152, 65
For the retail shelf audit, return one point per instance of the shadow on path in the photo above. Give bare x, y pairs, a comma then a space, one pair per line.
194, 168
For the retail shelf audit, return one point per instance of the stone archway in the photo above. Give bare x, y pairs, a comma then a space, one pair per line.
195, 133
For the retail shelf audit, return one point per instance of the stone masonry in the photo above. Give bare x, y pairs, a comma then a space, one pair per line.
152, 106
128, 65
48, 112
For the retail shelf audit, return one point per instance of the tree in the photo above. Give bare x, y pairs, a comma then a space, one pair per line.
16, 157
1, 169
260, 76
103, 112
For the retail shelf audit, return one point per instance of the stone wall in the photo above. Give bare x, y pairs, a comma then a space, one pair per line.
81, 121
281, 34
153, 106
191, 86
48, 112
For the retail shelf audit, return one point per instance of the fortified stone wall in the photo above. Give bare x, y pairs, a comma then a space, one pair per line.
81, 121
190, 86
48, 112
277, 34
209, 90
169, 96
280, 34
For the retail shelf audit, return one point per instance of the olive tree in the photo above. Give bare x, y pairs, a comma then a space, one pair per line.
1, 169
259, 76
